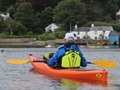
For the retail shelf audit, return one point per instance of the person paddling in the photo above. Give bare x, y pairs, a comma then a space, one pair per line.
67, 55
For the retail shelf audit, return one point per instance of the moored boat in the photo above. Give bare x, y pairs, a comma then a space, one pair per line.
48, 46
90, 74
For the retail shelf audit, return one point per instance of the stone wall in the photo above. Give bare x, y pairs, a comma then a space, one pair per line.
34, 42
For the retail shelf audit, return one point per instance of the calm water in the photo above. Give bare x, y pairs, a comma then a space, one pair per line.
22, 77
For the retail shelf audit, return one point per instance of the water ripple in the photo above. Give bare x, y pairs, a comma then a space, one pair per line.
19, 77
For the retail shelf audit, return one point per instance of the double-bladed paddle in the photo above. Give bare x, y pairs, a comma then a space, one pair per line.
99, 63
22, 61
104, 63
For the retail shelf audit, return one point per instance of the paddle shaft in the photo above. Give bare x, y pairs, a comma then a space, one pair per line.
45, 61
99, 63
39, 61
90, 62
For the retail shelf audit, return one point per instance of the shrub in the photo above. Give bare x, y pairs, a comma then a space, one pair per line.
59, 33
47, 36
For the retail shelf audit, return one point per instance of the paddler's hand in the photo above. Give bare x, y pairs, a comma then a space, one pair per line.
89, 62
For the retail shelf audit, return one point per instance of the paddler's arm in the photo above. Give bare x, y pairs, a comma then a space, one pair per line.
83, 59
52, 61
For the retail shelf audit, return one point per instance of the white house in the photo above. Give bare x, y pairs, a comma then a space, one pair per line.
51, 27
5, 15
93, 32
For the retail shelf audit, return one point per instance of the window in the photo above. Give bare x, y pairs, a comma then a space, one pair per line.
103, 32
78, 33
95, 38
95, 32
86, 37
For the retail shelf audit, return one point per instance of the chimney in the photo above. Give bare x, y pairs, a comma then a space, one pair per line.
76, 26
92, 25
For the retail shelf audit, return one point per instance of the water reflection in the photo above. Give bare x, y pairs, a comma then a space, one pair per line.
75, 84
72, 84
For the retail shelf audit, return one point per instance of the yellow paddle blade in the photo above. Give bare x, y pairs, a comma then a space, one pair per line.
18, 61
105, 63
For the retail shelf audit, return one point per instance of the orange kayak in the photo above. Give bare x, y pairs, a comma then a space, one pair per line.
78, 74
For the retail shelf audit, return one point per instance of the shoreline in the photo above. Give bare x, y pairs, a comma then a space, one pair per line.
32, 42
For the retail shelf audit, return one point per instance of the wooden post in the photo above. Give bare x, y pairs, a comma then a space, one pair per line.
119, 41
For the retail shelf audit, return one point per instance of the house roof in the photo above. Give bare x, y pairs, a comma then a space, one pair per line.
58, 25
118, 13
99, 28
114, 33
54, 24
95, 28
82, 29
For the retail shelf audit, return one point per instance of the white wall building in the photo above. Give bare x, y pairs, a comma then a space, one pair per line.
5, 15
93, 32
51, 27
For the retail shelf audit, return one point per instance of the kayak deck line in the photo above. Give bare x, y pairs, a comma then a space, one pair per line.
87, 69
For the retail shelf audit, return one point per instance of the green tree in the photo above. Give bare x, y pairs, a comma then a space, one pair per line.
59, 33
101, 10
110, 8
2, 24
25, 15
67, 11
11, 10
37, 24
94, 12
40, 5
46, 16
4, 4
14, 28
18, 2
43, 19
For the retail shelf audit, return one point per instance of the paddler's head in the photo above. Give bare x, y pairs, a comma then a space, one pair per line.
69, 38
